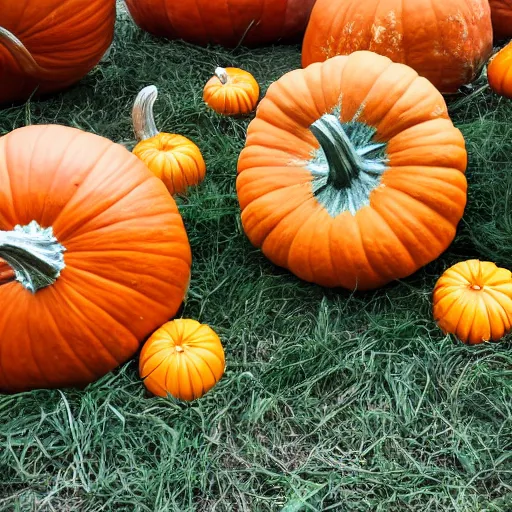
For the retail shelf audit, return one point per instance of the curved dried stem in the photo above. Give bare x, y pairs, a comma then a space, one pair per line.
23, 57
222, 75
142, 113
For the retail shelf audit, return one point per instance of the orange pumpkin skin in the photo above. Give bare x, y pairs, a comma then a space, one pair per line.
446, 41
183, 358
229, 23
126, 262
499, 72
501, 13
397, 205
66, 39
176, 160
473, 300
231, 92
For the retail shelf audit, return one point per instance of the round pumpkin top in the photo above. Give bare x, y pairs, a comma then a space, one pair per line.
64, 40
105, 245
231, 91
183, 358
473, 300
352, 174
446, 41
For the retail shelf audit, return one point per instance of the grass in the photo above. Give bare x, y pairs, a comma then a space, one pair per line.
331, 401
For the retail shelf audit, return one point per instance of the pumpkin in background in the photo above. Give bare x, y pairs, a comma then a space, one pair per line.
446, 41
176, 160
227, 22
353, 173
51, 44
99, 253
183, 358
499, 72
231, 92
473, 300
501, 13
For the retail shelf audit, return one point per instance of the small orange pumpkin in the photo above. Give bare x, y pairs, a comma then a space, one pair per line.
183, 358
176, 160
499, 72
473, 300
231, 91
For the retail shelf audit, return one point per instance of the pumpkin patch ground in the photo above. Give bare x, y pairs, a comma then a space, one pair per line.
330, 400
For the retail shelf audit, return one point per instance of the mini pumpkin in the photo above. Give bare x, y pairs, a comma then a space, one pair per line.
173, 158
47, 45
499, 72
501, 13
446, 41
183, 358
353, 173
231, 92
473, 300
99, 256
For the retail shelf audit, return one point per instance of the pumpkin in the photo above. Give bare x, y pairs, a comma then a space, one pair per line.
50, 44
473, 300
231, 92
183, 358
99, 254
352, 174
173, 158
446, 41
229, 23
501, 14
499, 72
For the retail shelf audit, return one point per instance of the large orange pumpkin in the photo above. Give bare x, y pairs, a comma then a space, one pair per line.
501, 12
50, 44
446, 41
352, 174
99, 252
226, 22
473, 300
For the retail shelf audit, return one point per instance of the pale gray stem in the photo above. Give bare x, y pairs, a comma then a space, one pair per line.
23, 57
34, 254
341, 155
142, 113
222, 75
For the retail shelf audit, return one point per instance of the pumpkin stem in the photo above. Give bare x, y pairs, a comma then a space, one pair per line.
34, 254
23, 57
142, 113
222, 75
342, 158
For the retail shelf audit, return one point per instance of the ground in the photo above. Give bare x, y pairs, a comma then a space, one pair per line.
330, 401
